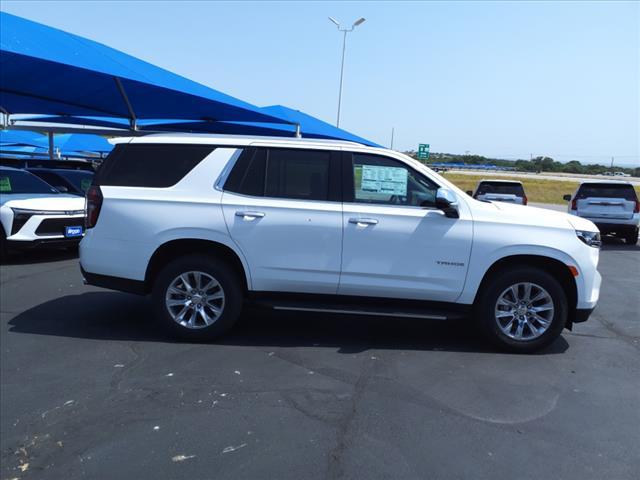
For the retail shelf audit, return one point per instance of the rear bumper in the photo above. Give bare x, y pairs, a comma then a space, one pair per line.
114, 283
615, 227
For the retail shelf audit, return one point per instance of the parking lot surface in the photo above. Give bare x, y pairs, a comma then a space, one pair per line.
91, 389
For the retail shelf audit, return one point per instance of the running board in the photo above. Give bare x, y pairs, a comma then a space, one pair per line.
375, 307
360, 312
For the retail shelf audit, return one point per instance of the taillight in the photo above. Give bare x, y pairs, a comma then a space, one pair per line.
637, 209
524, 200
93, 203
574, 204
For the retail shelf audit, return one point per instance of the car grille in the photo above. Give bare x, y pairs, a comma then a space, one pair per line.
56, 226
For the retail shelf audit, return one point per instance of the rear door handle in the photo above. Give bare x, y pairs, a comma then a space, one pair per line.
249, 215
364, 221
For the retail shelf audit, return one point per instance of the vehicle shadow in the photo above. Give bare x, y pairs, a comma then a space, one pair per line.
617, 244
119, 316
41, 255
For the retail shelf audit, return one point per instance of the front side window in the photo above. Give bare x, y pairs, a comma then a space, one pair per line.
381, 180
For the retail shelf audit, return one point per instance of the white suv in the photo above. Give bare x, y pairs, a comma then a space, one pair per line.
612, 206
205, 223
34, 213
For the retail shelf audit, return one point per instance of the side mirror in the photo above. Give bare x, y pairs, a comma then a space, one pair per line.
447, 202
470, 193
567, 198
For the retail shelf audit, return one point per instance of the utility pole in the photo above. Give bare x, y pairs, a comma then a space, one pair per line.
392, 131
611, 164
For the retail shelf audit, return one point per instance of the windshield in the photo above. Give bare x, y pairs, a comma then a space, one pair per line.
18, 181
78, 178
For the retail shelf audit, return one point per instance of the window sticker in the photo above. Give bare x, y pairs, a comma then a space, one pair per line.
5, 184
387, 180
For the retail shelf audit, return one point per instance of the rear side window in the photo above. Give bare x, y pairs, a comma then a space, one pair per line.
501, 187
150, 165
282, 173
607, 190
302, 174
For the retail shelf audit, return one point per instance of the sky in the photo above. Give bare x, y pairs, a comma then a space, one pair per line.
501, 79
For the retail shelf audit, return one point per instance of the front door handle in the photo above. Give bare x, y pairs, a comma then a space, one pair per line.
249, 215
363, 221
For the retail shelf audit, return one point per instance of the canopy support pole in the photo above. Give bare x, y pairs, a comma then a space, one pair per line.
132, 114
298, 134
50, 135
5, 118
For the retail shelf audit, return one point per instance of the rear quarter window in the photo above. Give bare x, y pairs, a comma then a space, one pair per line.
605, 190
150, 165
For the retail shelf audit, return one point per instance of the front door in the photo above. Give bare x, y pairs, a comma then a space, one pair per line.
396, 243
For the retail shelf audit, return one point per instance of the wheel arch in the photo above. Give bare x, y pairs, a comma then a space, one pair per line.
555, 267
189, 246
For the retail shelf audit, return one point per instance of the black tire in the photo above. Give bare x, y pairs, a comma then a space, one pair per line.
222, 273
4, 249
632, 238
485, 311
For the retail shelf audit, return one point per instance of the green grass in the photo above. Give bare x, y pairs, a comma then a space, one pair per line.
537, 189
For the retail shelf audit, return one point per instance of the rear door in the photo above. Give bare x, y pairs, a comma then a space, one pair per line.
282, 208
606, 201
396, 243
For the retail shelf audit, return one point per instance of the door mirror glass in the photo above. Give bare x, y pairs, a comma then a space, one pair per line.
567, 198
447, 202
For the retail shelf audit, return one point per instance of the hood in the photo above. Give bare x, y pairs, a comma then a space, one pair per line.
44, 201
543, 217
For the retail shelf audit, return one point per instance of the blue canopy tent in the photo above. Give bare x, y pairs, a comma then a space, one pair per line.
44, 70
310, 127
22, 138
23, 141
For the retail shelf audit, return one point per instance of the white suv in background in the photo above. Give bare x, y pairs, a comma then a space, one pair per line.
509, 191
34, 213
205, 223
612, 206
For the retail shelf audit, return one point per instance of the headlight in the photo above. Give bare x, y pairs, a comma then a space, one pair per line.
590, 238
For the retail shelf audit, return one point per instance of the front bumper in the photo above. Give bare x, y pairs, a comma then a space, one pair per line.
47, 242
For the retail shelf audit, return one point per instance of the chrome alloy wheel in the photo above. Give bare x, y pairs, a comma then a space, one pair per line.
524, 311
194, 300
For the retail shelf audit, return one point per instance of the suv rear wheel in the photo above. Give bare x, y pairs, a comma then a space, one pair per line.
632, 237
197, 298
523, 309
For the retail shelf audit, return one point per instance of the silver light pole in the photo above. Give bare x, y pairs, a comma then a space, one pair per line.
345, 30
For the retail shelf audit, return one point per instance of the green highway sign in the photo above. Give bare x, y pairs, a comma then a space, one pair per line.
423, 151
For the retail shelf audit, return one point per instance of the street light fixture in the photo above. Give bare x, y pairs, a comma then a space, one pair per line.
345, 30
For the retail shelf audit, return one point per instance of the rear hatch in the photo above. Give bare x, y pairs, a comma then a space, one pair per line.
606, 201
508, 192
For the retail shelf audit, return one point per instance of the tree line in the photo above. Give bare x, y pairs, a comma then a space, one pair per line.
537, 164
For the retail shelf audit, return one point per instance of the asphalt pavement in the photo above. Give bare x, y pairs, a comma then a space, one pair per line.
91, 389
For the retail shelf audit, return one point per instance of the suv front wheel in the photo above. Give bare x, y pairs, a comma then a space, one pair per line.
523, 309
197, 298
